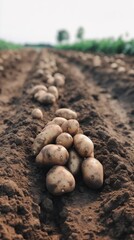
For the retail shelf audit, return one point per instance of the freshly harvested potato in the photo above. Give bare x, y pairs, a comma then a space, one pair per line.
53, 154
59, 79
44, 97
92, 171
37, 113
59, 181
37, 88
65, 139
71, 126
1, 68
74, 162
47, 136
54, 91
50, 80
59, 121
39, 73
83, 145
66, 113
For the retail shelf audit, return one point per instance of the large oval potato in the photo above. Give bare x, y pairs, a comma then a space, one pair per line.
44, 97
54, 91
71, 126
66, 113
92, 171
59, 120
48, 135
74, 162
52, 155
65, 139
59, 181
83, 145
37, 88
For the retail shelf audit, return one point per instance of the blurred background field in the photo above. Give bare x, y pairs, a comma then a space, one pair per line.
88, 26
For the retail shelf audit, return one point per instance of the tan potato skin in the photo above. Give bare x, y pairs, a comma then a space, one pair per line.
92, 171
37, 88
59, 80
53, 154
66, 113
65, 139
47, 136
74, 162
59, 181
83, 145
43, 97
37, 113
71, 126
53, 90
59, 120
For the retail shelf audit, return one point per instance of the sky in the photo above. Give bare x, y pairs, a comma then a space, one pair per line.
38, 20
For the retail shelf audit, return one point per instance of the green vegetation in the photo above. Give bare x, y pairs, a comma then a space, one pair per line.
80, 33
8, 45
108, 46
62, 36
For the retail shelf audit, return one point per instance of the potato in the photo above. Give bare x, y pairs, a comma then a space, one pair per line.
53, 155
92, 171
59, 121
59, 79
114, 65
59, 181
74, 162
71, 126
65, 139
37, 113
50, 80
43, 97
48, 135
39, 73
66, 113
83, 145
54, 91
36, 88
1, 68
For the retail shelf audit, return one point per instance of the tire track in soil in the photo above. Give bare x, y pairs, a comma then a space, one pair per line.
83, 214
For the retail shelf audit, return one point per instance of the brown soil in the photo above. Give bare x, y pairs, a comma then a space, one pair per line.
104, 99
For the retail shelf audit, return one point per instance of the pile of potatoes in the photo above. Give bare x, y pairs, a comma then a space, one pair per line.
45, 95
48, 71
62, 146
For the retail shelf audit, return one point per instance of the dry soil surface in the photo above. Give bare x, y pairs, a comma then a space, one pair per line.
103, 95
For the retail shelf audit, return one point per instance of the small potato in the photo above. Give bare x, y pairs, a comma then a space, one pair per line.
83, 145
74, 162
65, 139
37, 113
59, 181
1, 68
48, 135
52, 155
54, 91
37, 88
50, 80
59, 79
39, 73
66, 113
71, 126
92, 171
43, 97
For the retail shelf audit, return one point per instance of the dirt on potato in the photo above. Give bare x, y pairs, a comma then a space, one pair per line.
103, 96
